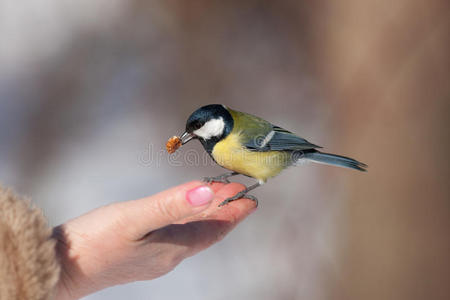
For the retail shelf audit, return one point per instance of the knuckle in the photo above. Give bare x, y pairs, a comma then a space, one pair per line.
168, 209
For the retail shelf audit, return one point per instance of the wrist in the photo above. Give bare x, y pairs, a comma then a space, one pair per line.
72, 283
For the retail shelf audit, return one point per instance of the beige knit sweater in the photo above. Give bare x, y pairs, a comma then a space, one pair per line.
29, 268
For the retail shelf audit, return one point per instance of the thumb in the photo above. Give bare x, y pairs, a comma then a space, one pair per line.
148, 214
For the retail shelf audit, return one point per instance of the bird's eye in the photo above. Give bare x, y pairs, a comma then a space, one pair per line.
196, 125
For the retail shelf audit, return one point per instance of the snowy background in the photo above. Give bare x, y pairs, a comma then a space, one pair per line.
91, 90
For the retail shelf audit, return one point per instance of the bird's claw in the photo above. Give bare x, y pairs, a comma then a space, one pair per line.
221, 179
239, 195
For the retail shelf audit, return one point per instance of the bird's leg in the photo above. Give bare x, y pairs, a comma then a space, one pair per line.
221, 178
242, 194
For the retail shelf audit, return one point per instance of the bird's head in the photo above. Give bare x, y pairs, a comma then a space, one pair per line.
208, 123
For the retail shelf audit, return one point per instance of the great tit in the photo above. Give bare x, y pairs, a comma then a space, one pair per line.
251, 146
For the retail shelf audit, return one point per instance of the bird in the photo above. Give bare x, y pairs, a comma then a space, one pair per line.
249, 145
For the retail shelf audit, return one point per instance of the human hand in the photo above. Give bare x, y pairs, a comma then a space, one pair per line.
131, 240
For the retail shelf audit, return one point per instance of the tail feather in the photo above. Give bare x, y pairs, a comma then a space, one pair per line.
335, 160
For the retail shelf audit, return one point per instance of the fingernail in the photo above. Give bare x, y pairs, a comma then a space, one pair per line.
200, 195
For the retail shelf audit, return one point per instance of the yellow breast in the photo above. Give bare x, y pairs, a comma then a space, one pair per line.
230, 154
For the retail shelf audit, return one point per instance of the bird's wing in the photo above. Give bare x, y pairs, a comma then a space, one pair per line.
259, 135
279, 139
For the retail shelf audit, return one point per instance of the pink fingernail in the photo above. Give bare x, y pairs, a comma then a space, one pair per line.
200, 195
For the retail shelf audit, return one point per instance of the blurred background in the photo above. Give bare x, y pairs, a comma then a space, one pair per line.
91, 90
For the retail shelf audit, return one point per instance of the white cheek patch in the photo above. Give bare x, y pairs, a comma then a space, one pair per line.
211, 128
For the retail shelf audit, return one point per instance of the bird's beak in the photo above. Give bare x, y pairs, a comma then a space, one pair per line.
186, 137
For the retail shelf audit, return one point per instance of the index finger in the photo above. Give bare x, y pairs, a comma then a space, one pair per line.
233, 212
